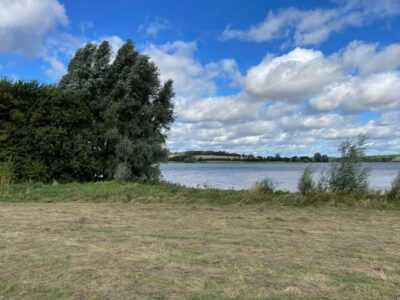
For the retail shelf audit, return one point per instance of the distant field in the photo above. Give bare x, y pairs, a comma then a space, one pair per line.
183, 249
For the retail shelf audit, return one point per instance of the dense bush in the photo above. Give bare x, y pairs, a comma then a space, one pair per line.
306, 182
45, 133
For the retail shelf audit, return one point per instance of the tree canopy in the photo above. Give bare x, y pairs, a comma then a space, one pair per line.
107, 118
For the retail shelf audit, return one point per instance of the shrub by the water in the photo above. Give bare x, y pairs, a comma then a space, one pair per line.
323, 182
394, 193
348, 175
306, 182
265, 186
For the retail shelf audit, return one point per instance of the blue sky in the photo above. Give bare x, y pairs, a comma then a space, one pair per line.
263, 77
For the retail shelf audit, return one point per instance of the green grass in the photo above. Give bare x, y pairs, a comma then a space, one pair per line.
113, 191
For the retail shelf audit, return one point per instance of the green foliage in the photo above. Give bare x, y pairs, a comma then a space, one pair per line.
394, 193
6, 173
265, 186
132, 110
45, 132
323, 182
106, 119
317, 157
348, 175
306, 182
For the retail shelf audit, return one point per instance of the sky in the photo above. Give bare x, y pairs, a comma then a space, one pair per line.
255, 77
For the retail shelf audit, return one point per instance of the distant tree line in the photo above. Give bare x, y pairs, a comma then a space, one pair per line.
107, 118
201, 156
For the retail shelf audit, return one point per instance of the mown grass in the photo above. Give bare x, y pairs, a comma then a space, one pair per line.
114, 240
113, 191
81, 250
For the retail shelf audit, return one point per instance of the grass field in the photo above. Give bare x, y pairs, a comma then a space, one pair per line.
98, 245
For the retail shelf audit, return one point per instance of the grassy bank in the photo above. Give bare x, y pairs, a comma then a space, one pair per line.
112, 191
165, 251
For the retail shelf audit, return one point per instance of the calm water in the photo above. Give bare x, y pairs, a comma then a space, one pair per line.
244, 175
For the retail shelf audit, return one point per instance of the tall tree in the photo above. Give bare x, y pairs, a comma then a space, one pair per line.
132, 109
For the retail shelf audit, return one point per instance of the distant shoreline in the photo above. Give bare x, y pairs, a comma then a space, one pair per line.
222, 156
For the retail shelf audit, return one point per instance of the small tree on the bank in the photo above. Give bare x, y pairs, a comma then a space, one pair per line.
348, 175
306, 182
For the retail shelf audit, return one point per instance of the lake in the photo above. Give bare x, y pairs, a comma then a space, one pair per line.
227, 175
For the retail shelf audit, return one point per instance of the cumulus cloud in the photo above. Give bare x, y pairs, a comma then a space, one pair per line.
358, 78
292, 76
376, 92
228, 109
25, 23
312, 27
300, 121
176, 60
191, 78
299, 102
367, 59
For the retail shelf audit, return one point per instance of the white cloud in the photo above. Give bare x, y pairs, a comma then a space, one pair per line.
312, 27
25, 23
292, 76
369, 58
301, 121
57, 69
376, 92
291, 104
227, 109
153, 28
191, 78
278, 110
176, 61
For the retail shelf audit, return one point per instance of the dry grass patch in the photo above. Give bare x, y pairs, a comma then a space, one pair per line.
159, 251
